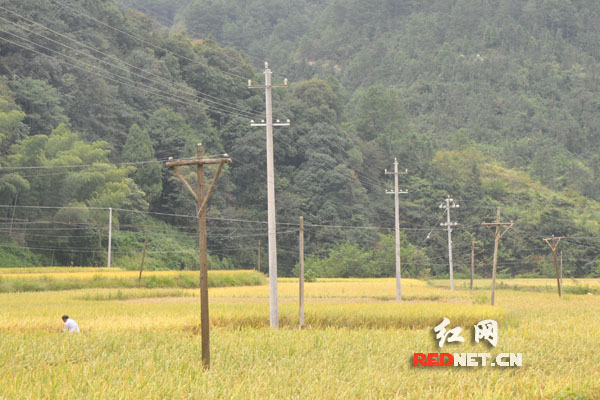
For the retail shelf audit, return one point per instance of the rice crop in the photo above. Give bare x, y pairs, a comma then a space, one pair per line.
358, 343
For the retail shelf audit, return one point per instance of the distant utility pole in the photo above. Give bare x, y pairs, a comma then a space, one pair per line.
109, 236
396, 192
449, 225
259, 247
472, 263
497, 236
144, 252
12, 218
561, 268
202, 200
301, 272
268, 123
553, 243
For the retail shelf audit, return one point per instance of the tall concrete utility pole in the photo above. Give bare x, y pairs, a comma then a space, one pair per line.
301, 272
449, 226
396, 192
109, 237
553, 243
497, 236
472, 263
268, 123
202, 200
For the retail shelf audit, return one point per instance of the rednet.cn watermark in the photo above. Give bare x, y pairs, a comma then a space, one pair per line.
467, 360
484, 330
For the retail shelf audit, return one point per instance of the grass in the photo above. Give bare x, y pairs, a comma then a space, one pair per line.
144, 343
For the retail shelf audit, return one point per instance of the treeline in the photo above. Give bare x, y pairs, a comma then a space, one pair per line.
458, 114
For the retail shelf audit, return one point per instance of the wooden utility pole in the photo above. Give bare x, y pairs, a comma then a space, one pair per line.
472, 263
497, 236
202, 200
12, 218
259, 247
144, 253
301, 273
447, 205
272, 224
396, 192
109, 237
561, 268
553, 243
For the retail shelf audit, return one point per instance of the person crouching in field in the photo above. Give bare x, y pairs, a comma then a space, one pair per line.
70, 325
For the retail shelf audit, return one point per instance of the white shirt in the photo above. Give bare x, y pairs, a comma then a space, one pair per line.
71, 326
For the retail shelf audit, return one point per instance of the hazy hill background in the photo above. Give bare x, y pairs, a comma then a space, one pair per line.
493, 102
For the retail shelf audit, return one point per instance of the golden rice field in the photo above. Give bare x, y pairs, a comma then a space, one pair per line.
145, 343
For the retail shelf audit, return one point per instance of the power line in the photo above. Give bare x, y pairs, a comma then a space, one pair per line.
151, 90
96, 165
186, 88
79, 12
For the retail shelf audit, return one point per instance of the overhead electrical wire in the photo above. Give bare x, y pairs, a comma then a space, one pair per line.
152, 90
185, 88
85, 15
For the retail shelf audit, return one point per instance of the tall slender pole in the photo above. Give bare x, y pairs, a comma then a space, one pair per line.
204, 318
274, 313
497, 236
557, 274
561, 269
495, 261
259, 247
397, 231
272, 224
12, 218
553, 243
449, 225
472, 263
301, 273
449, 243
396, 192
109, 236
144, 252
202, 202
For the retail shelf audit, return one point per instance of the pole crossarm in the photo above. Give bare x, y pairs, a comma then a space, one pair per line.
173, 164
508, 225
555, 241
196, 161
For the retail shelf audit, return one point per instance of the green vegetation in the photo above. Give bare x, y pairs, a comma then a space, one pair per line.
492, 103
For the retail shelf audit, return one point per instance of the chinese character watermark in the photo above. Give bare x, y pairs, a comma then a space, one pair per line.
488, 330
452, 335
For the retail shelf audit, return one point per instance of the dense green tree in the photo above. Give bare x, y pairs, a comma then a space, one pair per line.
138, 149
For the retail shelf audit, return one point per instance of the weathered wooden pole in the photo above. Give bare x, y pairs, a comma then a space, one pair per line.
202, 201
472, 263
497, 236
144, 253
553, 243
301, 273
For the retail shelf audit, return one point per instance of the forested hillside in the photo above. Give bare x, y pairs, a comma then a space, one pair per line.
492, 102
